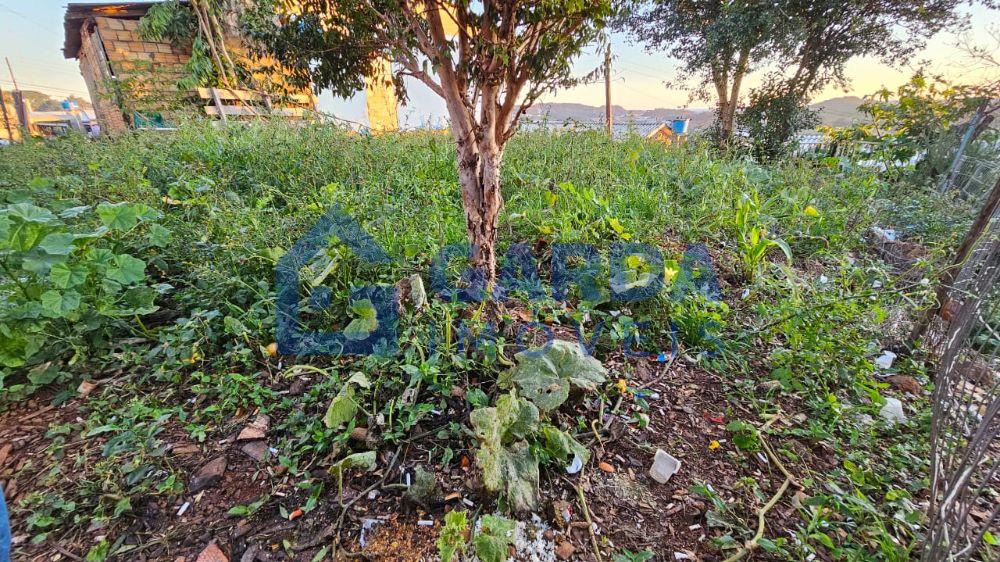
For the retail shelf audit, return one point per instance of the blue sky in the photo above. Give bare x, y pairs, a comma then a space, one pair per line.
31, 36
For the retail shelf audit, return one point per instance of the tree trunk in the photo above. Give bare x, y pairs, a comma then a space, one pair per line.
479, 178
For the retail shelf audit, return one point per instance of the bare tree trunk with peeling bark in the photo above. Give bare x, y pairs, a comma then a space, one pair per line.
489, 61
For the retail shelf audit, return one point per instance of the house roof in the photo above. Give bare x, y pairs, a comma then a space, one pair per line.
77, 14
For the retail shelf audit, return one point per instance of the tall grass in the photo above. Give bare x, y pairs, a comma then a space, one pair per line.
236, 197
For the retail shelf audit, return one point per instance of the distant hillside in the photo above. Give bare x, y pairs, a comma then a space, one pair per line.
559, 112
837, 112
43, 102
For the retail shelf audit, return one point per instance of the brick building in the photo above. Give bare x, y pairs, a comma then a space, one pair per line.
133, 81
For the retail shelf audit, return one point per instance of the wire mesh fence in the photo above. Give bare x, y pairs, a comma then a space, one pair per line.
965, 425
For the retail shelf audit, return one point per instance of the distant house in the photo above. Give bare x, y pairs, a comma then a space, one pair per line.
652, 130
55, 123
133, 81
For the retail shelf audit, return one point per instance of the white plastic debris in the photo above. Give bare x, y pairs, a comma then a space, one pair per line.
664, 466
575, 466
366, 525
885, 360
824, 279
892, 412
183, 508
887, 233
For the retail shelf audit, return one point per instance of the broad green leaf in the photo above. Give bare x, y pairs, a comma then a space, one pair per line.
44, 374
518, 418
74, 212
26, 212
452, 538
364, 322
24, 235
39, 262
342, 410
495, 535
360, 379
135, 301
545, 374
100, 256
126, 269
562, 446
64, 275
123, 216
59, 304
158, 236
504, 457
344, 407
58, 244
364, 461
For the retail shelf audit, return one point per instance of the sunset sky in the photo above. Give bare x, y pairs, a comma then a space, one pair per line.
31, 36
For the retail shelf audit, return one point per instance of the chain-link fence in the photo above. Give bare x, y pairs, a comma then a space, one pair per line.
965, 458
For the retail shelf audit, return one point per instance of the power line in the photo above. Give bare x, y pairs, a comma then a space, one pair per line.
47, 87
24, 17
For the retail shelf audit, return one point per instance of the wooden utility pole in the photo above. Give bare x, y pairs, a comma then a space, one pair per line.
6, 118
18, 98
607, 89
948, 277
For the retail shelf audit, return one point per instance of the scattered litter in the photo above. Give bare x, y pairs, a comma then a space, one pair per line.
575, 466
715, 418
183, 508
886, 233
663, 357
366, 525
606, 467
85, 388
425, 523
885, 360
468, 502
892, 412
823, 279
746, 293
664, 466
681, 556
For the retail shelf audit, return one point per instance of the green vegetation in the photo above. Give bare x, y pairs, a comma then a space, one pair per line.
147, 264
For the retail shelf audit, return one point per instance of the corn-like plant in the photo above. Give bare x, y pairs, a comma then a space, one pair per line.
752, 238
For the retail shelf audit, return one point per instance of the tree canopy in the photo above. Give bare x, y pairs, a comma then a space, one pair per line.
800, 46
488, 61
